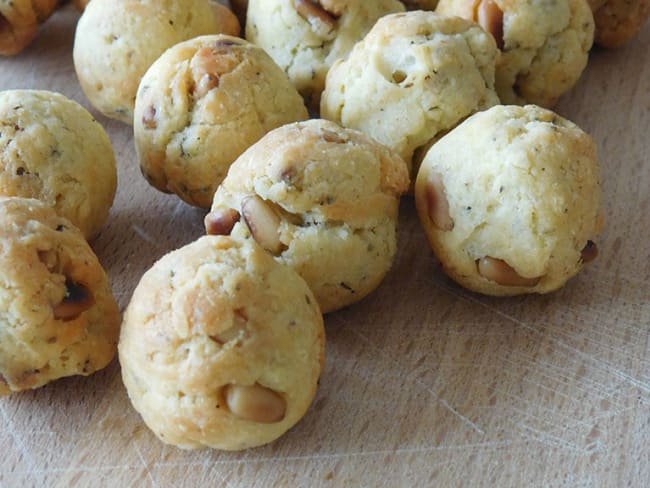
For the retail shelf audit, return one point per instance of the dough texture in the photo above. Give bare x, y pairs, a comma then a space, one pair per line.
221, 346
323, 200
117, 40
58, 316
52, 149
517, 185
19, 22
414, 76
201, 105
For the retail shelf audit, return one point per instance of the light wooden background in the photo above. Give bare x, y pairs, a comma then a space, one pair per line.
425, 384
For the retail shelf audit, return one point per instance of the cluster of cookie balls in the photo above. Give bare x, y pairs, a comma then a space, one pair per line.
222, 343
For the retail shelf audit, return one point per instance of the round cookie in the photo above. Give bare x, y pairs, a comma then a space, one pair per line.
544, 44
201, 105
510, 200
221, 346
617, 21
117, 40
305, 37
19, 22
323, 200
413, 77
52, 149
58, 317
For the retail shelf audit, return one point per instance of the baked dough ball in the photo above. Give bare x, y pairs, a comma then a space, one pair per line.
510, 200
305, 37
544, 44
58, 317
52, 149
617, 21
200, 105
414, 76
19, 22
420, 4
321, 199
117, 40
221, 346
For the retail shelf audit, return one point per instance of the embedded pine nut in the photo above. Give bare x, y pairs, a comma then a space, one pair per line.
255, 402
331, 136
589, 252
437, 203
220, 222
263, 223
77, 300
490, 17
308, 9
499, 271
149, 117
209, 63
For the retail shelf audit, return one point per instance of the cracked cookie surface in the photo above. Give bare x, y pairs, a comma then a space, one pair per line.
117, 40
221, 346
414, 76
19, 22
305, 37
200, 105
58, 316
544, 44
52, 149
510, 200
323, 200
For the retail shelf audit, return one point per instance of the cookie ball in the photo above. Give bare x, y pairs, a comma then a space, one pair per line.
52, 149
305, 37
617, 21
201, 105
19, 22
221, 346
510, 200
58, 316
322, 200
413, 77
117, 40
544, 44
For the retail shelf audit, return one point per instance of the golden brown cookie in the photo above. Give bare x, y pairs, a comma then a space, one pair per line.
305, 37
19, 22
617, 21
322, 200
117, 40
544, 44
201, 105
414, 76
57, 315
510, 200
221, 346
52, 149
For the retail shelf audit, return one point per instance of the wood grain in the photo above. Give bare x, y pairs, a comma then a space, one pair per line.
425, 384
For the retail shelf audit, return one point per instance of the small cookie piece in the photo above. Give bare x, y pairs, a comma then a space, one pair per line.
510, 200
544, 44
19, 22
617, 21
117, 40
305, 37
221, 346
201, 105
323, 200
52, 149
414, 76
58, 317
420, 4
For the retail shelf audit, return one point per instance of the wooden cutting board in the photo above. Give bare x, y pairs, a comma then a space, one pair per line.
425, 384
